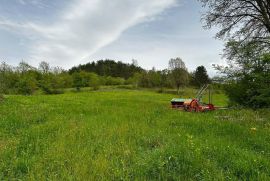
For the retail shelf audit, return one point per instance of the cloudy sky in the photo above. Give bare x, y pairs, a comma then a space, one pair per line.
71, 32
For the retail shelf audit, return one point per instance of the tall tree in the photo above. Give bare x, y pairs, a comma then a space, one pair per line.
24, 67
201, 77
77, 80
178, 72
247, 73
243, 19
44, 67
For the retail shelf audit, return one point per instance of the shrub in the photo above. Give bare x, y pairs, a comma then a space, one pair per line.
27, 86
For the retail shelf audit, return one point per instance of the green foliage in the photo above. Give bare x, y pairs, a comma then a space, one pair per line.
78, 81
200, 76
113, 80
134, 80
248, 74
1, 97
178, 73
109, 68
26, 86
8, 79
110, 136
53, 80
51, 84
94, 81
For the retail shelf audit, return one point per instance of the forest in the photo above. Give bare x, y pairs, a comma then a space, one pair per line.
26, 79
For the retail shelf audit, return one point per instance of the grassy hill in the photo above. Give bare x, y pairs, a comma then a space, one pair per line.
129, 135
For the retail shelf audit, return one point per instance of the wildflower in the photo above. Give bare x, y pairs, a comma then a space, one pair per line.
253, 129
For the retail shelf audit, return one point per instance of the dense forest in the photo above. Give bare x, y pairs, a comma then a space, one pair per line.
109, 68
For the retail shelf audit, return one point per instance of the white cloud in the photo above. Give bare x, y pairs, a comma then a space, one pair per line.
85, 26
37, 3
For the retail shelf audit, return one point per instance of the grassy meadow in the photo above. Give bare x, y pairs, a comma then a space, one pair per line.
129, 135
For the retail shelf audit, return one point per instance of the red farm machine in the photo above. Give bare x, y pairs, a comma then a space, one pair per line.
196, 104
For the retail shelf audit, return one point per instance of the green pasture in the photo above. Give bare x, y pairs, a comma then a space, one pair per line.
129, 135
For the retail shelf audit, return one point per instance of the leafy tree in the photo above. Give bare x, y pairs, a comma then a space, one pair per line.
24, 67
94, 81
114, 80
109, 68
248, 74
77, 81
178, 72
200, 76
51, 84
27, 83
134, 80
65, 80
246, 20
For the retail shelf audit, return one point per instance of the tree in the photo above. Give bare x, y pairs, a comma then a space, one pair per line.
44, 67
65, 80
77, 80
24, 67
178, 72
247, 20
247, 73
94, 81
135, 79
27, 83
201, 76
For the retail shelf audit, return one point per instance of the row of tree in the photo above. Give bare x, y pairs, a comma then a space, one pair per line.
26, 79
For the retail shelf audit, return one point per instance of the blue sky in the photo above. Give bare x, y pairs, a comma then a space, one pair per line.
71, 32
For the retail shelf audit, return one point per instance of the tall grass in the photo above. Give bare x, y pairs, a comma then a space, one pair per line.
129, 135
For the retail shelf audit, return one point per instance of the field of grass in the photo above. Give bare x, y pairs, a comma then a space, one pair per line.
129, 135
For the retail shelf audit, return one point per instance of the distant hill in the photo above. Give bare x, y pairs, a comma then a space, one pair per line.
109, 68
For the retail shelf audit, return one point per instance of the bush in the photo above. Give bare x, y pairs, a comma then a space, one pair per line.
249, 93
94, 81
247, 73
27, 86
51, 84
114, 81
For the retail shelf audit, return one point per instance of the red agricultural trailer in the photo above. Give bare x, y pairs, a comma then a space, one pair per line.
196, 104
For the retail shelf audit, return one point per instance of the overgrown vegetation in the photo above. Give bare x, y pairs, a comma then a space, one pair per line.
247, 74
26, 80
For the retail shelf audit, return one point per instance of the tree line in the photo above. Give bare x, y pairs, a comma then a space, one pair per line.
26, 79
109, 68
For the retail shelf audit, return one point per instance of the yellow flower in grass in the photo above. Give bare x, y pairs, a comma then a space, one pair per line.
253, 129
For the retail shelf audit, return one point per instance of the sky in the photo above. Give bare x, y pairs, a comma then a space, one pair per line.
66, 33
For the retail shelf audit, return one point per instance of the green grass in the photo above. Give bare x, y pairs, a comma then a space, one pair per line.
129, 135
